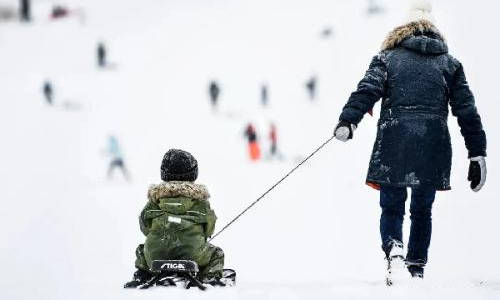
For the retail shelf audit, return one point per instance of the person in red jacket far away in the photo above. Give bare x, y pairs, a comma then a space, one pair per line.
253, 145
273, 137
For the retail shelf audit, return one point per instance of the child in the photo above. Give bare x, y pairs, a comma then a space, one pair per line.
177, 221
417, 80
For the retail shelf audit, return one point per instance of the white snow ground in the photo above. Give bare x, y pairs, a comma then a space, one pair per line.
67, 233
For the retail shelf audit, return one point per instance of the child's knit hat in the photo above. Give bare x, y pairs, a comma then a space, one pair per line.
179, 165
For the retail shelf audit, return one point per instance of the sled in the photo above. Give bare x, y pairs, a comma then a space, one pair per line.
184, 272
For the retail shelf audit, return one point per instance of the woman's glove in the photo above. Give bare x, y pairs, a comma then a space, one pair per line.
344, 131
477, 173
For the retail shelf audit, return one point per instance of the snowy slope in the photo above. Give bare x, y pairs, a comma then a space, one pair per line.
68, 233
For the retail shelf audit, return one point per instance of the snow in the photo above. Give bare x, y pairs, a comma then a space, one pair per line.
68, 233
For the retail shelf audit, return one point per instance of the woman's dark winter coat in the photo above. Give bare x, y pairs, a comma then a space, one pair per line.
417, 79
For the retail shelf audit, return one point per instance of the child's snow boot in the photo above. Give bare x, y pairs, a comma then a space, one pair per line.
228, 278
140, 277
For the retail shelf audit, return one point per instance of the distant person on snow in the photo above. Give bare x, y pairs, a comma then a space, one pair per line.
273, 138
48, 92
59, 11
374, 8
25, 10
177, 222
264, 94
311, 87
253, 145
101, 55
417, 80
214, 92
327, 32
116, 155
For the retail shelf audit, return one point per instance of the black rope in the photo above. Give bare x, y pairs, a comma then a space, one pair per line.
271, 188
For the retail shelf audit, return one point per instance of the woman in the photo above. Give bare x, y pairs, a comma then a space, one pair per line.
417, 79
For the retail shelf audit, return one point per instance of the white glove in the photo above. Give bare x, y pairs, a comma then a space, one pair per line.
344, 131
477, 173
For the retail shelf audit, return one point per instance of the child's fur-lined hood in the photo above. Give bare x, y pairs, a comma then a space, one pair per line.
174, 189
421, 28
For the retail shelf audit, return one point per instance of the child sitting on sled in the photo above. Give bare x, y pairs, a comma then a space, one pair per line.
177, 221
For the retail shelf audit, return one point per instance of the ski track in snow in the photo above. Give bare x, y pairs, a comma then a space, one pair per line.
67, 233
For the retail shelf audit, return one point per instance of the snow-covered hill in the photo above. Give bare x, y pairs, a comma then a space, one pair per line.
68, 233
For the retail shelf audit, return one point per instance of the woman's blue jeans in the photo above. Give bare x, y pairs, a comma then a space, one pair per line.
392, 202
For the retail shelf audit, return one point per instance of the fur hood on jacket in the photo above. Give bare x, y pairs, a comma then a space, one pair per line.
401, 33
172, 189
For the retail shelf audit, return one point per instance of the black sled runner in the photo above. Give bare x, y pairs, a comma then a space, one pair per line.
184, 273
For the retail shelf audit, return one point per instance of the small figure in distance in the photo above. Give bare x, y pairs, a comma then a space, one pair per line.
264, 94
327, 32
253, 144
25, 10
101, 55
214, 92
374, 8
117, 161
311, 85
48, 92
273, 139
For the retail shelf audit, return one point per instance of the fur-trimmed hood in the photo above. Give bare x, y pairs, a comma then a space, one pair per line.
174, 189
421, 36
